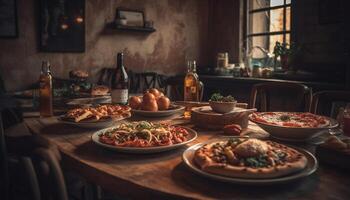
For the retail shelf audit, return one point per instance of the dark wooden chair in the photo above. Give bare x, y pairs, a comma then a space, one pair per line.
49, 174
286, 96
4, 176
105, 76
327, 103
138, 82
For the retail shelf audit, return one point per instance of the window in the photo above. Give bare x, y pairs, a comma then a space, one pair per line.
268, 22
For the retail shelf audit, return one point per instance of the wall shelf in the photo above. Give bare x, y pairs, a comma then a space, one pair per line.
130, 28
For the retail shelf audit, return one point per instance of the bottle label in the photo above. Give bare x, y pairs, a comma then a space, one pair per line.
120, 96
193, 89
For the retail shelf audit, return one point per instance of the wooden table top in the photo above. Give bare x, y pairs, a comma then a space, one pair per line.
163, 175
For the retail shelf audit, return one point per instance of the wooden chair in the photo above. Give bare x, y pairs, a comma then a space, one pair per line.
138, 82
49, 173
281, 96
4, 176
105, 76
327, 102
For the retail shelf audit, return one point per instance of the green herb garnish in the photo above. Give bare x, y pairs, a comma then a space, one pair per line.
256, 162
219, 97
285, 118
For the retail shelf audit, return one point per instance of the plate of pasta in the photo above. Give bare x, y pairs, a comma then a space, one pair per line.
144, 137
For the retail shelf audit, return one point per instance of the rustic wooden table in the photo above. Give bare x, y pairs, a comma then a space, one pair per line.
164, 176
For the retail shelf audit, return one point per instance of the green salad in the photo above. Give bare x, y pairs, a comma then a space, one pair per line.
219, 97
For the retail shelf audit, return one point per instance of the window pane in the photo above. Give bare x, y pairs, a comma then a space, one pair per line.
288, 18
258, 22
288, 1
258, 45
257, 4
288, 38
273, 40
276, 22
276, 2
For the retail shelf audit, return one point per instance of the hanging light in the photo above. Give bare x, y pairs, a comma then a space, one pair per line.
64, 26
79, 19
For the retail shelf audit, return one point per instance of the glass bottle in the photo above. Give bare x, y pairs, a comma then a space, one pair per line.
191, 86
45, 87
346, 120
120, 83
191, 89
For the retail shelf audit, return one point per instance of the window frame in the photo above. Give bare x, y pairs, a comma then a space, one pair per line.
284, 32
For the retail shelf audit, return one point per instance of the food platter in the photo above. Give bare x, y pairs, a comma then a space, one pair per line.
188, 159
143, 150
174, 109
295, 134
89, 101
101, 116
102, 123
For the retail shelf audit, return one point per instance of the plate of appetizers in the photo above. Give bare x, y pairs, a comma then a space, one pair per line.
100, 116
153, 103
293, 126
250, 161
144, 137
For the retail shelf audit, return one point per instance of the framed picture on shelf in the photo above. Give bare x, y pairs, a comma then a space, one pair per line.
133, 18
8, 19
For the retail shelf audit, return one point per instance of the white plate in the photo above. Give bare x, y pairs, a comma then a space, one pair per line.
104, 123
89, 101
310, 168
144, 150
295, 134
160, 113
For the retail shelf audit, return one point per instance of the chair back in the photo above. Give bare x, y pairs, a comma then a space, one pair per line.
138, 82
4, 176
49, 174
280, 96
328, 103
105, 76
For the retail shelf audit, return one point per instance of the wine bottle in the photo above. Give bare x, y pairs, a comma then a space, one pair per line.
46, 97
120, 83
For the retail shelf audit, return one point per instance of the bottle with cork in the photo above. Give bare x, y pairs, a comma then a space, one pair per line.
191, 86
45, 88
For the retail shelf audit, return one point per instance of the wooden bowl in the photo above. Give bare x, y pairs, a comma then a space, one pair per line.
205, 117
222, 107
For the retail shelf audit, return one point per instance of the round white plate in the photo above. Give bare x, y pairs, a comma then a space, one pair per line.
310, 168
104, 123
89, 101
160, 113
295, 134
143, 150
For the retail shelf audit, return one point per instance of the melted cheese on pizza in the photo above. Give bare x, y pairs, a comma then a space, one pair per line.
290, 119
250, 153
251, 148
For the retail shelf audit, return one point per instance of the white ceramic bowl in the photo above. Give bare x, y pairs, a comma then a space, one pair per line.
296, 134
222, 107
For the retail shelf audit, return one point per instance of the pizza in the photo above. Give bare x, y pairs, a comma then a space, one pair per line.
144, 134
290, 119
98, 113
249, 158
